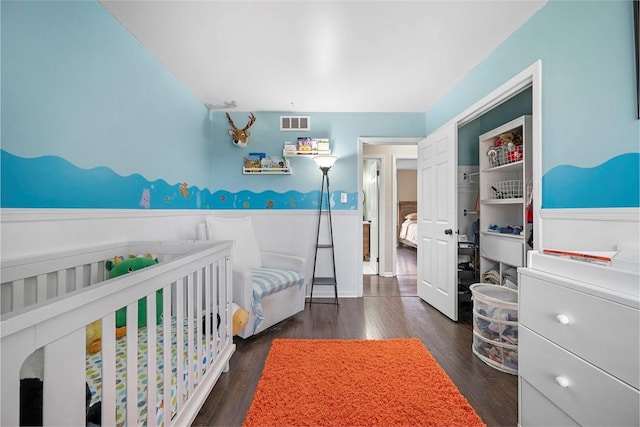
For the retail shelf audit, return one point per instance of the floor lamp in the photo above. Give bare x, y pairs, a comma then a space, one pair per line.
324, 163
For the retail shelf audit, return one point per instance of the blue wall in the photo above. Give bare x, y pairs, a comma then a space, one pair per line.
589, 123
115, 127
91, 119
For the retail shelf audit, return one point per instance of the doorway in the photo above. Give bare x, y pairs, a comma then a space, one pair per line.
383, 149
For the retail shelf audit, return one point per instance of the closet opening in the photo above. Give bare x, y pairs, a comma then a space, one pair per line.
474, 263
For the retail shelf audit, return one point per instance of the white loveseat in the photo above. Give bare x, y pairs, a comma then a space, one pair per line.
269, 285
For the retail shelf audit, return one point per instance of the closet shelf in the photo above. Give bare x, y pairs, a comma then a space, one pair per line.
502, 201
515, 166
501, 235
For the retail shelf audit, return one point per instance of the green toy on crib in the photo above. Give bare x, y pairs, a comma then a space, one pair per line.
120, 266
117, 267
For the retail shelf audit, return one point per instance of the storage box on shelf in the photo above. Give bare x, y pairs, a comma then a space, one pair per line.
495, 326
505, 168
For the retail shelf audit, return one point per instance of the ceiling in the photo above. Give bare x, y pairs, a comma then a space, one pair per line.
321, 56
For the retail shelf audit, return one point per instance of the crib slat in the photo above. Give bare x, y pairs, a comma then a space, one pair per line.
209, 314
109, 369
215, 267
62, 282
63, 383
41, 286
166, 352
222, 305
152, 345
197, 343
78, 275
224, 284
190, 315
180, 343
17, 292
132, 365
93, 274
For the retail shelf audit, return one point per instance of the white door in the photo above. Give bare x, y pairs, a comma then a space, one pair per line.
437, 225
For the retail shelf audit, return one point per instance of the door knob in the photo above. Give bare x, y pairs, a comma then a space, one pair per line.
448, 231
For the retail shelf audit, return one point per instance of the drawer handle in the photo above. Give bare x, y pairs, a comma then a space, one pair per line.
562, 381
563, 318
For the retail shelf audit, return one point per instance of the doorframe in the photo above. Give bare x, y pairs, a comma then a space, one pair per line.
529, 77
381, 197
382, 205
395, 220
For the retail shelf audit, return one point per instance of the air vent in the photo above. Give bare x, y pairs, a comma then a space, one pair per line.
295, 123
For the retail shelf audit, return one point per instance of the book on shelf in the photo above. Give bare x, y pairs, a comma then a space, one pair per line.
594, 257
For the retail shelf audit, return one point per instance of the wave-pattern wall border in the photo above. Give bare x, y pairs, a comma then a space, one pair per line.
53, 182
612, 184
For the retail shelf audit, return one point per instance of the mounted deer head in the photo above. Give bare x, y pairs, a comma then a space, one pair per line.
240, 136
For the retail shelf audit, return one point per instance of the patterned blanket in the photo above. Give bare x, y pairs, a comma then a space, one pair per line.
94, 374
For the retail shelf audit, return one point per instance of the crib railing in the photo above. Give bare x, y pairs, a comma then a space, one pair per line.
52, 299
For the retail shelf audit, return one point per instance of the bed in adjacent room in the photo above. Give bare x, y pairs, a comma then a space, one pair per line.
408, 223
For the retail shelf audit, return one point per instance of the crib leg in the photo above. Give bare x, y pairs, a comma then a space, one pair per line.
64, 381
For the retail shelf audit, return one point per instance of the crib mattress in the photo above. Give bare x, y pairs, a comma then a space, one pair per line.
94, 370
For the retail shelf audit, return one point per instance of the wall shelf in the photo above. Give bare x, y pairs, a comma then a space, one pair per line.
264, 165
267, 171
310, 154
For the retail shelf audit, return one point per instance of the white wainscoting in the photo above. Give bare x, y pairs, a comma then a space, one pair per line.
590, 229
26, 232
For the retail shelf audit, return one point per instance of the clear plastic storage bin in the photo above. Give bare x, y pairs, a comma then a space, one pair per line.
495, 326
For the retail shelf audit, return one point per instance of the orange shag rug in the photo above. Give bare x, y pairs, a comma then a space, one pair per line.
394, 382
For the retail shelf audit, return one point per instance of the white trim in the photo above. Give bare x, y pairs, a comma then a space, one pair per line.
381, 207
11, 215
595, 214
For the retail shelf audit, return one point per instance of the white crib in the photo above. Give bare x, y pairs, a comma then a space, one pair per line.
48, 300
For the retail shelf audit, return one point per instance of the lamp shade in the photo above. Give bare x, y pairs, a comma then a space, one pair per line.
325, 162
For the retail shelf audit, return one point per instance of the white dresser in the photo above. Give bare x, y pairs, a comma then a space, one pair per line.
579, 344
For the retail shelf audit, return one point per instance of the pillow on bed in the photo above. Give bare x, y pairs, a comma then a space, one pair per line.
412, 216
245, 250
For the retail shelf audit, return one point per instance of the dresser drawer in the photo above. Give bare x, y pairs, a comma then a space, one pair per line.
602, 332
590, 396
505, 249
540, 411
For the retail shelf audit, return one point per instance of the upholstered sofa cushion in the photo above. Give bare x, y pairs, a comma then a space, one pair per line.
267, 281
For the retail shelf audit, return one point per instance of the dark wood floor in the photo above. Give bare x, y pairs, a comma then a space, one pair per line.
389, 309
